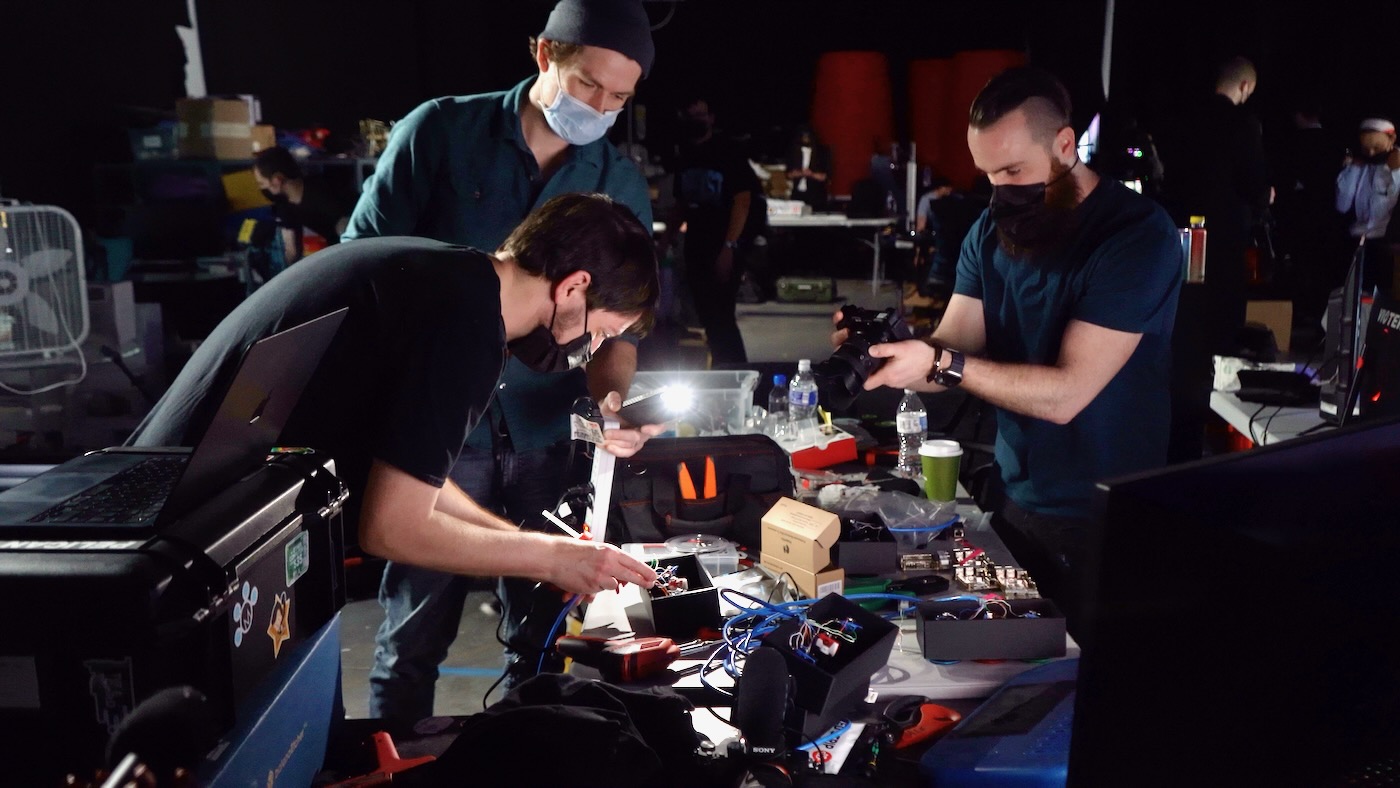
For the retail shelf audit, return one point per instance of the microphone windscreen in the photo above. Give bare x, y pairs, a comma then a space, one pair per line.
174, 728
761, 703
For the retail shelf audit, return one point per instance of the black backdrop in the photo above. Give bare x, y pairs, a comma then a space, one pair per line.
78, 73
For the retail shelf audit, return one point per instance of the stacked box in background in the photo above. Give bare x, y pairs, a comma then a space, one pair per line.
225, 129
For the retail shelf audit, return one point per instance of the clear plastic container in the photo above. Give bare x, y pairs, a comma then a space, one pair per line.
722, 403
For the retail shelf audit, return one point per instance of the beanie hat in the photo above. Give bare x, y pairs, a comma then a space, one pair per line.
619, 25
1378, 124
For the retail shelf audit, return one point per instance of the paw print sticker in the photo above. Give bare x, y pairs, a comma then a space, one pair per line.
243, 613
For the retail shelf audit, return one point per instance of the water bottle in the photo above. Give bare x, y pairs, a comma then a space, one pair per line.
802, 394
912, 423
778, 408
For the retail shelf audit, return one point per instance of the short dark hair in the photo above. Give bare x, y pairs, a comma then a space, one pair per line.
1039, 93
560, 52
277, 160
593, 233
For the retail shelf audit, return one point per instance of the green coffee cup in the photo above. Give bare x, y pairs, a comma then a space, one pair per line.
940, 459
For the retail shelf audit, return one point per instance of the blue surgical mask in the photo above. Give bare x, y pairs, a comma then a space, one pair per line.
574, 121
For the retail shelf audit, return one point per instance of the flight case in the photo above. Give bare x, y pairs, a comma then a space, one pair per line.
92, 627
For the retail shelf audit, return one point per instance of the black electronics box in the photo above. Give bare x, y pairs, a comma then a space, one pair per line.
827, 688
1040, 636
865, 558
215, 600
682, 615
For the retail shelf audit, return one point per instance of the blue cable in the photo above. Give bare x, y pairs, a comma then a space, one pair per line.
549, 639
830, 735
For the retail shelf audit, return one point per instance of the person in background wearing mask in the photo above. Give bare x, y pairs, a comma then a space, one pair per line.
1061, 317
311, 215
467, 169
1367, 189
719, 201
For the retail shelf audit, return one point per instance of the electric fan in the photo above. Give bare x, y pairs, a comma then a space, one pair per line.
43, 292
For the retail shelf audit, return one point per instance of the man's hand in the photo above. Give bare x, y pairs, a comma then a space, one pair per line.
906, 367
585, 568
838, 335
1392, 160
629, 440
724, 264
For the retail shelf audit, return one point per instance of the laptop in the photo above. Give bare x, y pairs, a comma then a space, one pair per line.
132, 492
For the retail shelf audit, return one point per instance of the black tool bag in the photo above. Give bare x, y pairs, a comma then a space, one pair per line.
751, 474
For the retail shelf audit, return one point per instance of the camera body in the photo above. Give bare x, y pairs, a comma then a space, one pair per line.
841, 378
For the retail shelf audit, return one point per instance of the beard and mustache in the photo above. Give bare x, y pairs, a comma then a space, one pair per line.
1033, 219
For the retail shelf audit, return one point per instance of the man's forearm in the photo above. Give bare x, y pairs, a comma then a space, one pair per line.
738, 216
1034, 390
457, 504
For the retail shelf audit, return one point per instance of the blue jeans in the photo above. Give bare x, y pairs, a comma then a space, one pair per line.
423, 608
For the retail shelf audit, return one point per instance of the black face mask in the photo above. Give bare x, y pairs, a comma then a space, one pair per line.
540, 351
1376, 158
273, 198
1023, 217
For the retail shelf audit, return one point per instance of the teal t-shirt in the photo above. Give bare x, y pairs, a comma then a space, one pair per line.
1120, 269
457, 169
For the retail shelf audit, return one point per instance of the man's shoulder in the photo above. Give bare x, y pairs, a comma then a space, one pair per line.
461, 110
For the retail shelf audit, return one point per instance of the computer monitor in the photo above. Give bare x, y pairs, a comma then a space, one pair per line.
1378, 376
1240, 617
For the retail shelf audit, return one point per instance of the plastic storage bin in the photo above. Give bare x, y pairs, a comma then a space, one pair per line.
722, 404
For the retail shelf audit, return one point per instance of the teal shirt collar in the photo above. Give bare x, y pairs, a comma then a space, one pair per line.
506, 126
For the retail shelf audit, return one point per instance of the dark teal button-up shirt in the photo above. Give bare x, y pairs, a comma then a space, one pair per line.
457, 169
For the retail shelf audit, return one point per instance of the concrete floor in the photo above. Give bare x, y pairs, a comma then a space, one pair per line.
775, 334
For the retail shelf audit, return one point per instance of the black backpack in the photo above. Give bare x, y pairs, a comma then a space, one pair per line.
751, 474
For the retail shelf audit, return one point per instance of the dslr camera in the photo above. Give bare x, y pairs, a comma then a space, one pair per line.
840, 378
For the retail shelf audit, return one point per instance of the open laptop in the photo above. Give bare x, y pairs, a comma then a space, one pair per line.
129, 493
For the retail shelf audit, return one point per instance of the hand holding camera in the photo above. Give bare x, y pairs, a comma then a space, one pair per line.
842, 377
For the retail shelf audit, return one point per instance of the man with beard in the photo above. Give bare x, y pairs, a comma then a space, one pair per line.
1061, 317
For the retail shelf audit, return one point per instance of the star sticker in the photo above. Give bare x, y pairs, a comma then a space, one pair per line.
280, 627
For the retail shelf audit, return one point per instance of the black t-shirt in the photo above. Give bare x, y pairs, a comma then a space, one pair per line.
320, 210
411, 371
708, 175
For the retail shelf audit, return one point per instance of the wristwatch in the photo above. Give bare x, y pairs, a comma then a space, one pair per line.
731, 244
949, 376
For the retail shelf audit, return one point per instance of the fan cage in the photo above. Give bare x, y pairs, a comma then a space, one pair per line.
29, 233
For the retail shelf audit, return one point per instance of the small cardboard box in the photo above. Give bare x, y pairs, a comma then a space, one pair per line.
681, 616
214, 128
799, 535
1277, 315
1019, 637
813, 583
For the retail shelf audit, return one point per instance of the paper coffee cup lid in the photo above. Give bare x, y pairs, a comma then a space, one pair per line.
940, 448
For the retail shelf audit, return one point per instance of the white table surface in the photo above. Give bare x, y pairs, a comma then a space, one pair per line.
1264, 424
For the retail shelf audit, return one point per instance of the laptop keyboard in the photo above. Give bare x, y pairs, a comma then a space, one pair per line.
131, 496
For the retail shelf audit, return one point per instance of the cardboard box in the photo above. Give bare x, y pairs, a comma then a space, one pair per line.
214, 128
799, 535
1018, 637
263, 137
1277, 315
813, 583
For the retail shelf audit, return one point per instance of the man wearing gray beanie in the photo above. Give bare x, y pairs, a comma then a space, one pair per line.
467, 170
